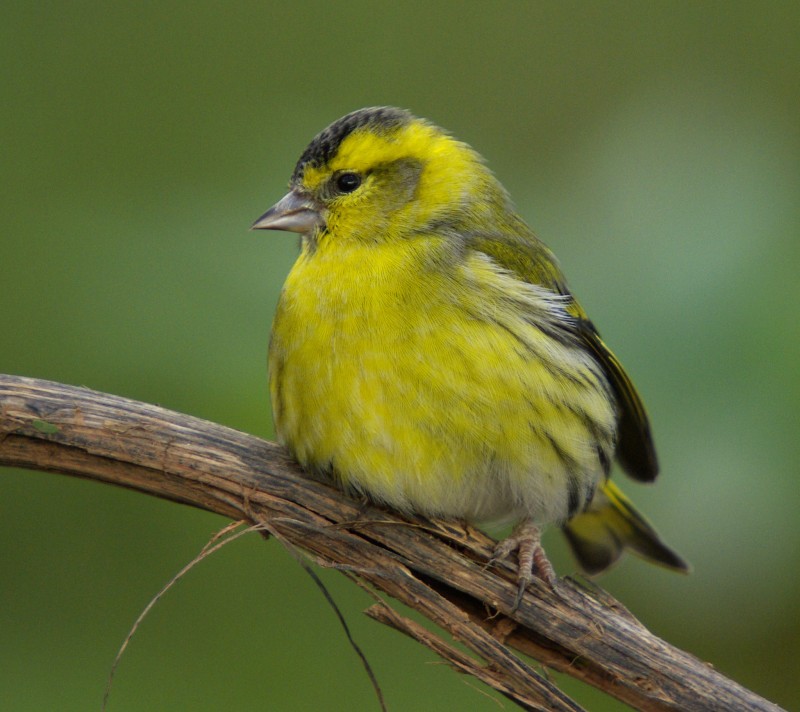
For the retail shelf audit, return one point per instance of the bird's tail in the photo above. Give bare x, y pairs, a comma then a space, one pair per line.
599, 535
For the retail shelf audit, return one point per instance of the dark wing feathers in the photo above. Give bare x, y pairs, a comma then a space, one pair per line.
635, 450
530, 260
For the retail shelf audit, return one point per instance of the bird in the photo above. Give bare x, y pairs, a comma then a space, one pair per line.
426, 352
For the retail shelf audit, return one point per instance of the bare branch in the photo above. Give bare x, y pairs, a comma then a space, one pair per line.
438, 568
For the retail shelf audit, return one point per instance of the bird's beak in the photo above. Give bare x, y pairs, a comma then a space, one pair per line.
294, 212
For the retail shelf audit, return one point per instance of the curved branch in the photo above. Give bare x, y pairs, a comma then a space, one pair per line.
438, 568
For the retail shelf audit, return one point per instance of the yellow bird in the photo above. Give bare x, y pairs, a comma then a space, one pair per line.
426, 351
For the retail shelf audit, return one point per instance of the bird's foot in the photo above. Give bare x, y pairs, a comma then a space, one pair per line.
526, 541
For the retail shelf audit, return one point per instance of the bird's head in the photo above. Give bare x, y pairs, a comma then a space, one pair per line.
381, 173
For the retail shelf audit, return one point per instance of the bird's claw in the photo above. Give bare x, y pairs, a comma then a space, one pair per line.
526, 541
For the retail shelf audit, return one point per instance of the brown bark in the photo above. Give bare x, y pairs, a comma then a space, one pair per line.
437, 568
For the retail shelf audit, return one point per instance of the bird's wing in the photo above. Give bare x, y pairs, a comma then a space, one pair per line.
531, 261
635, 449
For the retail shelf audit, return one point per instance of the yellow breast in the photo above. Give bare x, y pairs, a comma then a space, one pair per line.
431, 383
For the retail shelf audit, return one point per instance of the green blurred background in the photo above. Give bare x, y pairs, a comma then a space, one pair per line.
654, 146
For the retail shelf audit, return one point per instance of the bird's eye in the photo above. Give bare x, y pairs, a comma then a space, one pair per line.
347, 182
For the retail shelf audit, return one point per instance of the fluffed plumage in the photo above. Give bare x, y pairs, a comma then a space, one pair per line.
427, 352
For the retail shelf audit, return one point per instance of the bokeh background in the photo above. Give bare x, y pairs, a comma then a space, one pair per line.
655, 147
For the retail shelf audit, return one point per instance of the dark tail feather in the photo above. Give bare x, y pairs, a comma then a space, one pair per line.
599, 535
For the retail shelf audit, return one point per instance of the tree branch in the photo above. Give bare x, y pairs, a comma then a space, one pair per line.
437, 568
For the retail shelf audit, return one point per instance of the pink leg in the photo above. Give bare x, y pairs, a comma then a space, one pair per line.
526, 540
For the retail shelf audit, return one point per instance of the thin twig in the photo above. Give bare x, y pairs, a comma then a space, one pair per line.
207, 550
337, 611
